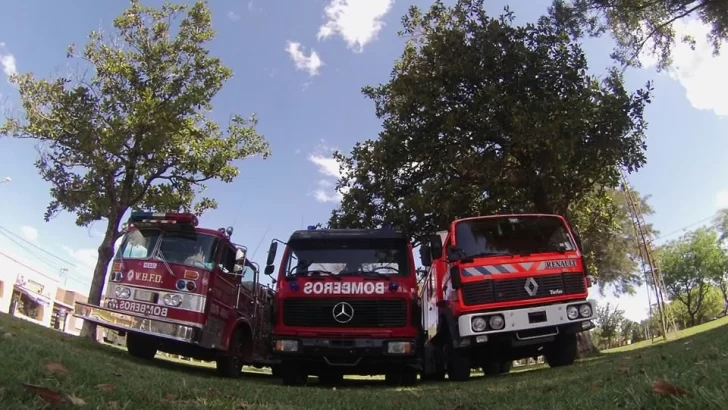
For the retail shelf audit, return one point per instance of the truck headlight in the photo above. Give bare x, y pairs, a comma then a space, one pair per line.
479, 324
572, 312
172, 300
283, 345
399, 347
497, 322
585, 310
122, 292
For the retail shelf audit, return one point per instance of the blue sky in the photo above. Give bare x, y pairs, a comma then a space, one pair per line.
300, 66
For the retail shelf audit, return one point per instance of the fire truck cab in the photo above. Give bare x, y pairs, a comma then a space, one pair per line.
347, 303
185, 290
503, 288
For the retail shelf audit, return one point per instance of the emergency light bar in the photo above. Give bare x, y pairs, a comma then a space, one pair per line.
163, 218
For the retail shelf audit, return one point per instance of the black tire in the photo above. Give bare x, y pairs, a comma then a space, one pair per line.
331, 378
406, 376
230, 363
506, 366
143, 347
293, 375
561, 352
275, 370
458, 364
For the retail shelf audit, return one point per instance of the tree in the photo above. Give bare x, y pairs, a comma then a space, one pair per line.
609, 318
635, 24
688, 265
481, 117
135, 134
721, 278
711, 306
611, 243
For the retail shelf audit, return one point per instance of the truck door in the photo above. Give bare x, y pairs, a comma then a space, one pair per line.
241, 296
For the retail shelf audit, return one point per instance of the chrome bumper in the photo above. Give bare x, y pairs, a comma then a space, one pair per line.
123, 322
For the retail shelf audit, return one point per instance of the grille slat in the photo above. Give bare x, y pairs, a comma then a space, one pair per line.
505, 290
386, 313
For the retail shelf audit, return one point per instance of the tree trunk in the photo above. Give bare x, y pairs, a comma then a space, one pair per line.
106, 253
585, 345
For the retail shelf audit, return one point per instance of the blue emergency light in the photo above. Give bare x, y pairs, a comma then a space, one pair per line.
311, 227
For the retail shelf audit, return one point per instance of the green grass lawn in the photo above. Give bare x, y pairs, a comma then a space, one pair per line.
88, 375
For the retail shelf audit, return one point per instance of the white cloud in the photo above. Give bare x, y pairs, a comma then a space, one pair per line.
86, 256
233, 16
311, 63
329, 168
700, 73
30, 233
721, 199
7, 61
356, 21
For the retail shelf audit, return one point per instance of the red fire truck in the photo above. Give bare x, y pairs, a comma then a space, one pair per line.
503, 288
347, 303
185, 290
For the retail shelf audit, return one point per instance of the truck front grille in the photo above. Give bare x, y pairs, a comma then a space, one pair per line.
505, 290
382, 313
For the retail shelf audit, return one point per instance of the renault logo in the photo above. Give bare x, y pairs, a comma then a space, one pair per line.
531, 287
343, 312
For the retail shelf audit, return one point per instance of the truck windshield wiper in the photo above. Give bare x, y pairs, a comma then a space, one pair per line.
160, 256
367, 273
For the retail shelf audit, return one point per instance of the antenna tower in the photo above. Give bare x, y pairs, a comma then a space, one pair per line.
653, 275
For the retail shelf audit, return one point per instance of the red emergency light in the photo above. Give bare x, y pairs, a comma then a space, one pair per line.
163, 218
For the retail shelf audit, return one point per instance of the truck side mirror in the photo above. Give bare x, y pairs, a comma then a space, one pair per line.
237, 268
240, 256
271, 254
425, 257
269, 270
435, 246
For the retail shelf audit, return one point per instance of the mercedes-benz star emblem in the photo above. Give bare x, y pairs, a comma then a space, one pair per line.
531, 287
343, 312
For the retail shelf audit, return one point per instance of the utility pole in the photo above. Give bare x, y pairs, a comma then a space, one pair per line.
63, 275
653, 275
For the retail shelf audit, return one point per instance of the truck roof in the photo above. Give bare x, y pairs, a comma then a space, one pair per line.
347, 234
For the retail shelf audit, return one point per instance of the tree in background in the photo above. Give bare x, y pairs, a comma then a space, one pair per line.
609, 318
688, 265
481, 117
711, 306
635, 24
135, 134
721, 280
611, 247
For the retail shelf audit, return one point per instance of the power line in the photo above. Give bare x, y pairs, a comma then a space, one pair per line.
36, 246
685, 227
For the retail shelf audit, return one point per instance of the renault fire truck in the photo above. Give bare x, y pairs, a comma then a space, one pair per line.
187, 291
347, 303
503, 288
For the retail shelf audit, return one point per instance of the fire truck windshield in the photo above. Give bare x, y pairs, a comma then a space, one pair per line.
522, 235
176, 248
347, 258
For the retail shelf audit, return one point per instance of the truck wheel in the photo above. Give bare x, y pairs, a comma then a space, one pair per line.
275, 371
230, 363
141, 346
293, 375
331, 378
458, 364
561, 352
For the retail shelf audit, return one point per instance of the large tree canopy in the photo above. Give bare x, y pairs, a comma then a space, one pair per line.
480, 117
135, 133
643, 25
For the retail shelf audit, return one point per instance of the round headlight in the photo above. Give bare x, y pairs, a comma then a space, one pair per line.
585, 310
497, 322
479, 324
172, 300
572, 312
122, 292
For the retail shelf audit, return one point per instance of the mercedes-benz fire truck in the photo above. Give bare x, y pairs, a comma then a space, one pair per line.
503, 288
347, 303
185, 290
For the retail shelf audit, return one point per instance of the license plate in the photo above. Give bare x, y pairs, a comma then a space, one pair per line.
144, 295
